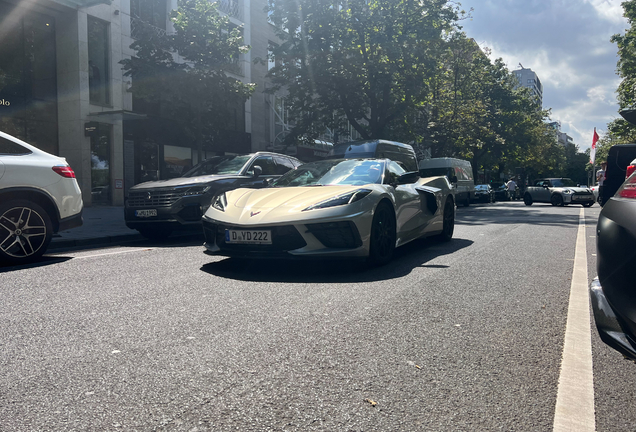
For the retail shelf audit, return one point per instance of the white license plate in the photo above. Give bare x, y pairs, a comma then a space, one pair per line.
248, 236
146, 213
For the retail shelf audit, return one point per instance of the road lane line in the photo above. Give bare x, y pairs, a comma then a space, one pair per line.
113, 253
575, 395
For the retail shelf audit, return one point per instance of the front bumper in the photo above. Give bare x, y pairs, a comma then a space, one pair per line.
184, 212
609, 324
578, 198
294, 240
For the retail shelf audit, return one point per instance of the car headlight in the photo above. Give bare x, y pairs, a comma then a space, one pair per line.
567, 191
348, 198
194, 190
220, 202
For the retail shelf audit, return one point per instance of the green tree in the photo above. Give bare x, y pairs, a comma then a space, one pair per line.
367, 61
626, 69
184, 76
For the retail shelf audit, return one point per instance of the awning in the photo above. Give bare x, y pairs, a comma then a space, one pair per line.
78, 4
110, 116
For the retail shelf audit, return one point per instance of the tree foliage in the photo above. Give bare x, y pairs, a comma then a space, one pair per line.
404, 70
183, 76
369, 62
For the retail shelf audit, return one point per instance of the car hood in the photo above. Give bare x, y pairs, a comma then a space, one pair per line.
181, 181
273, 205
290, 197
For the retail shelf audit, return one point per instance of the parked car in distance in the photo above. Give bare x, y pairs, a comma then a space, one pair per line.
156, 208
377, 149
484, 193
558, 192
39, 196
618, 158
363, 208
612, 292
455, 169
501, 192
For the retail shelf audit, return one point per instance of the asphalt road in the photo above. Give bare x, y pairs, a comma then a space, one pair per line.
457, 336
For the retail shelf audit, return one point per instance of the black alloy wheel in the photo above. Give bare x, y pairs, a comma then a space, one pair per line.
527, 199
25, 231
556, 200
449, 221
383, 235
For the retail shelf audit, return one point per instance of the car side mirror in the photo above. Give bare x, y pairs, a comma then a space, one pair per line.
453, 179
268, 181
256, 171
408, 178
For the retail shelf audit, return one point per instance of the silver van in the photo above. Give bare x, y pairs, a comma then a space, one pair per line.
458, 171
377, 149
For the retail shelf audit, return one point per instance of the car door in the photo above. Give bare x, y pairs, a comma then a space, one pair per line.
543, 193
408, 209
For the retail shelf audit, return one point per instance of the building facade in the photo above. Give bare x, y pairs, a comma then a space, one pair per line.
527, 78
62, 89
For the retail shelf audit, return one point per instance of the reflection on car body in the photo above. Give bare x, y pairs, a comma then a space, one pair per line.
612, 292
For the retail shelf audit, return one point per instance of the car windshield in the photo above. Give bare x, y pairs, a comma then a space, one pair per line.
565, 182
219, 165
481, 187
334, 172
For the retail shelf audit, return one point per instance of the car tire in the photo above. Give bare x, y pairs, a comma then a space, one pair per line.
25, 231
556, 200
155, 233
467, 202
383, 235
527, 199
449, 221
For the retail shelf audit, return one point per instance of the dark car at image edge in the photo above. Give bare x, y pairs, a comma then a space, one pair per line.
156, 208
613, 292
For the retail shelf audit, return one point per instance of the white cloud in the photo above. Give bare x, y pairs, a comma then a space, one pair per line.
567, 44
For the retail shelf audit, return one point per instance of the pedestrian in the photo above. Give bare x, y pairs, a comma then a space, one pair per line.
600, 178
512, 188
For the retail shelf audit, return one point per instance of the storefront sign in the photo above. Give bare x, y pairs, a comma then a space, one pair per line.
4, 102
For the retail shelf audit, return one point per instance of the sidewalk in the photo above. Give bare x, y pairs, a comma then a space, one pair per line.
102, 225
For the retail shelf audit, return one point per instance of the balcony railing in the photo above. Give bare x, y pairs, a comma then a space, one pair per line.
139, 26
232, 8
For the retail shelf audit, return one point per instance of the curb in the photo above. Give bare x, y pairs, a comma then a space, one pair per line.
62, 243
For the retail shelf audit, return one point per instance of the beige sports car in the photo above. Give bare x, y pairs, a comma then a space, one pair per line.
358, 208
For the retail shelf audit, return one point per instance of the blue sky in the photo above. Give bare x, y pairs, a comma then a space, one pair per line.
566, 43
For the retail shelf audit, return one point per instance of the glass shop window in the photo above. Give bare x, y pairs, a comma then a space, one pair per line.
98, 62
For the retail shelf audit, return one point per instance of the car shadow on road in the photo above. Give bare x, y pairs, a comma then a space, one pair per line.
408, 257
43, 262
518, 213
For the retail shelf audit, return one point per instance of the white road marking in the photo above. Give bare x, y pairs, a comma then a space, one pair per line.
575, 395
113, 253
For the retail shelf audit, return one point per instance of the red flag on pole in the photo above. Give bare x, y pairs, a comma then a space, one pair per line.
593, 151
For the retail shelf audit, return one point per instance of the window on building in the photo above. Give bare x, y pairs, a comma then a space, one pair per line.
28, 83
98, 61
153, 12
271, 58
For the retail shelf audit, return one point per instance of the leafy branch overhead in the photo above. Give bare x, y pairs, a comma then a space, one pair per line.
184, 74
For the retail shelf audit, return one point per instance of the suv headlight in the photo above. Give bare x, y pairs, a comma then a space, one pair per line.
188, 191
220, 202
348, 198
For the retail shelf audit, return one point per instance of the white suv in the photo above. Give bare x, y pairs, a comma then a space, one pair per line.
39, 196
